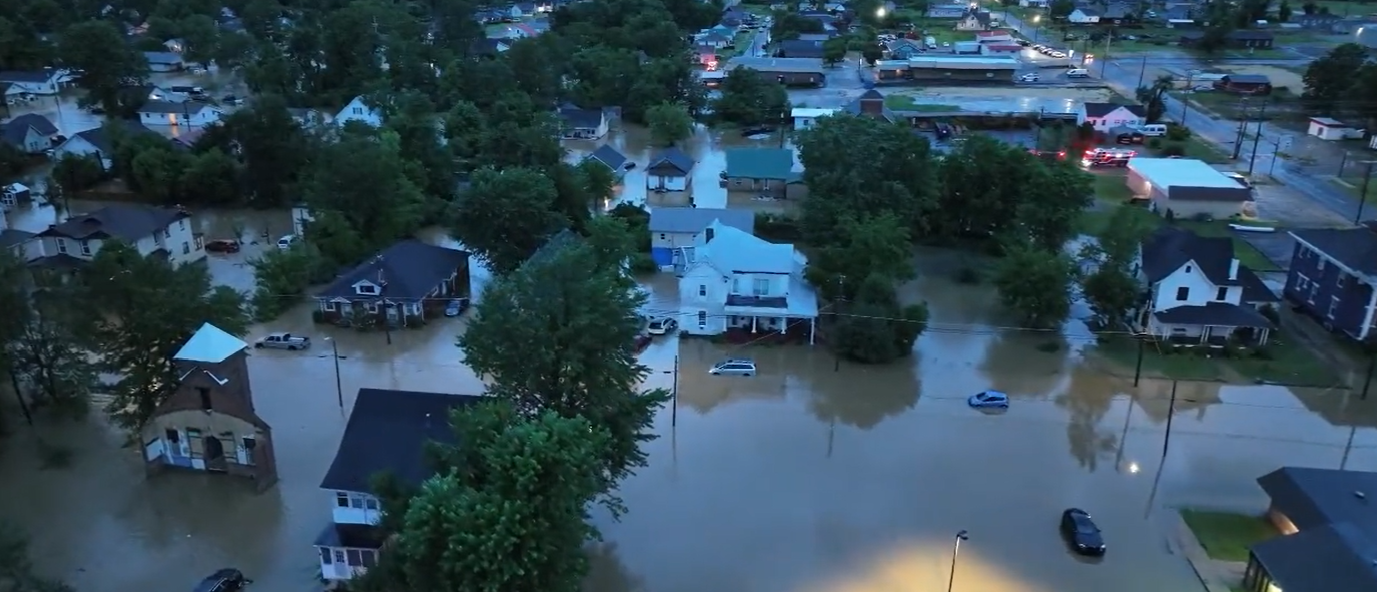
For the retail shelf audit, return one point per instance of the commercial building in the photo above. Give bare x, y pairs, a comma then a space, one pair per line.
971, 69
787, 71
1186, 188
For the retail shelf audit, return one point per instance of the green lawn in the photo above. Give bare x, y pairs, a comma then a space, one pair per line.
906, 103
1247, 254
1227, 536
1122, 351
1112, 189
1286, 361
741, 42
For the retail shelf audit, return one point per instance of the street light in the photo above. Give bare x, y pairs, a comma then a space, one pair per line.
955, 552
880, 12
339, 388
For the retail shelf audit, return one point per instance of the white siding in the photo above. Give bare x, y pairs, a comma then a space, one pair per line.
671, 239
744, 284
356, 110
702, 294
359, 508
667, 183
1199, 291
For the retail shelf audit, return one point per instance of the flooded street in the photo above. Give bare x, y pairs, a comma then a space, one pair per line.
801, 479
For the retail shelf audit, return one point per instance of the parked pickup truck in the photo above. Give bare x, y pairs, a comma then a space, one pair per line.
283, 341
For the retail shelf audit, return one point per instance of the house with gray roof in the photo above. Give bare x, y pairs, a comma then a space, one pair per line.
673, 229
1333, 278
99, 142
611, 158
577, 123
671, 170
735, 282
29, 133
767, 172
47, 81
1198, 291
1328, 520
409, 281
152, 231
164, 61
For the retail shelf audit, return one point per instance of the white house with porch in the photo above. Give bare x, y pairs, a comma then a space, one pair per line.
1197, 291
734, 280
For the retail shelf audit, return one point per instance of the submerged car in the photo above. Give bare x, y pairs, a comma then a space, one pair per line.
662, 327
455, 307
222, 245
736, 367
993, 399
224, 580
1081, 532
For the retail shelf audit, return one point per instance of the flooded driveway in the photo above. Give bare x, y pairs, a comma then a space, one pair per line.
812, 476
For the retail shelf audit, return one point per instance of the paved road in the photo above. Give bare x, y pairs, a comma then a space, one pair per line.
1124, 75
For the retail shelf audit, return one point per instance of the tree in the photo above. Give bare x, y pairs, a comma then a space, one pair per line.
516, 489
1309, 7
1036, 285
1359, 96
15, 313
558, 333
748, 99
504, 216
211, 177
273, 149
669, 123
1110, 287
97, 49
1060, 9
74, 172
149, 309
834, 51
49, 352
17, 572
876, 246
1152, 97
201, 34
1284, 12
875, 329
1328, 79
281, 277
1058, 192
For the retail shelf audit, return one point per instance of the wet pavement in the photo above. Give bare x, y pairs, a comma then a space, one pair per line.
801, 478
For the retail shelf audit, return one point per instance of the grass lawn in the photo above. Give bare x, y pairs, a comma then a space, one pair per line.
906, 103
1247, 254
1112, 188
941, 30
1227, 536
1354, 186
1287, 362
1197, 148
1122, 351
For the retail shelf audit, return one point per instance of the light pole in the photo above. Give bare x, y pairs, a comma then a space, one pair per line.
339, 387
1037, 26
956, 552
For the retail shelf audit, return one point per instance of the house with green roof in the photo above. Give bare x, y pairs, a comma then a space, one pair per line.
765, 171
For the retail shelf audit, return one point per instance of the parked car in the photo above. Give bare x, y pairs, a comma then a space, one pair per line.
455, 307
222, 245
663, 327
224, 580
286, 242
1081, 532
736, 367
1030, 77
283, 341
230, 100
993, 399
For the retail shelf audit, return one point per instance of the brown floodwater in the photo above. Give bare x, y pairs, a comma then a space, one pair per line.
812, 476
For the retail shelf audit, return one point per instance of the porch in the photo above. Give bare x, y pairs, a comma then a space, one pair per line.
347, 550
348, 313
797, 311
1213, 324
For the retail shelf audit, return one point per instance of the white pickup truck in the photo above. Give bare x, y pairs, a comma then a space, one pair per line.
283, 341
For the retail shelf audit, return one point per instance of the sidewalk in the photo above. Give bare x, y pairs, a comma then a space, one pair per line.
1215, 575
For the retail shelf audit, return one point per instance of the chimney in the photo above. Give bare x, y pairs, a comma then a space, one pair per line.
707, 235
1233, 269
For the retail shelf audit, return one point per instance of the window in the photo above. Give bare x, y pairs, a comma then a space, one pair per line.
1319, 266
1343, 277
186, 248
326, 556
341, 499
249, 445
172, 436
702, 318
358, 110
369, 289
356, 502
1222, 294
1333, 306
86, 248
370, 503
193, 437
370, 558
354, 557
167, 232
62, 246
1188, 269
204, 394
761, 287
702, 289
339, 556
329, 305
181, 224
663, 236
1182, 294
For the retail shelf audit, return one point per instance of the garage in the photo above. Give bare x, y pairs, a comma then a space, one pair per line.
1187, 188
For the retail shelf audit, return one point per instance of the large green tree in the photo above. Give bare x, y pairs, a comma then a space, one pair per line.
874, 328
17, 572
273, 148
1110, 287
669, 123
558, 334
98, 49
877, 245
51, 353
504, 216
748, 99
1329, 78
1035, 284
149, 309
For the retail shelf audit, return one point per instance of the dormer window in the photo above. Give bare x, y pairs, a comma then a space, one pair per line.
366, 289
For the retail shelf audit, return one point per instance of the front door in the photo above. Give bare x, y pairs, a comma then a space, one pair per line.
215, 455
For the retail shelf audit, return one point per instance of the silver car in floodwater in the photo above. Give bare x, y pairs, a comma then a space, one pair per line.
736, 367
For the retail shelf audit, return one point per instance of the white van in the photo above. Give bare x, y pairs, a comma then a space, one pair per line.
930, 42
1078, 73
1153, 130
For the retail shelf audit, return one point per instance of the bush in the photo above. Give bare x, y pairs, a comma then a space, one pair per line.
1178, 133
1155, 143
777, 227
643, 263
1172, 150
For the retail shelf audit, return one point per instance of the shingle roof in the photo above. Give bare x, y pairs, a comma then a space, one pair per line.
123, 221
43, 75
410, 269
1220, 314
674, 158
187, 108
1355, 248
732, 251
1248, 78
1103, 109
1312, 497
609, 156
100, 137
1321, 559
162, 57
1170, 247
38, 122
210, 345
760, 163
694, 220
576, 117
10, 237
796, 48
387, 432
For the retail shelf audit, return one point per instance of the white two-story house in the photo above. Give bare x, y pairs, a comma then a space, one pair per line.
166, 232
1107, 116
1198, 290
736, 281
386, 434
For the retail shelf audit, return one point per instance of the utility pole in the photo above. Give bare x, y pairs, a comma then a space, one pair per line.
1343, 463
836, 357
1185, 102
674, 396
1362, 199
1104, 60
1138, 368
339, 386
1262, 112
1242, 126
1171, 410
1142, 72
19, 396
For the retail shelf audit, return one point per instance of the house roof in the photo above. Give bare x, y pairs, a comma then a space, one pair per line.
100, 136
387, 432
694, 220
1248, 78
1170, 247
1118, 11
407, 270
674, 158
1327, 557
1311, 497
39, 123
789, 65
10, 237
128, 222
162, 57
608, 156
798, 48
13, 76
1088, 11
210, 345
1187, 178
761, 163
1103, 109
1354, 248
576, 117
1219, 314
731, 250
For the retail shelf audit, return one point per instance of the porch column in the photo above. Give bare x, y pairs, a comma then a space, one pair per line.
1262, 336
812, 327
753, 318
783, 325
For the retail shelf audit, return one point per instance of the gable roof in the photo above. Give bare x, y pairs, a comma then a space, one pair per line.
162, 57
38, 122
128, 222
1311, 497
210, 345
10, 237
694, 220
731, 250
1354, 248
409, 270
674, 158
387, 432
1328, 557
43, 75
576, 117
760, 163
798, 48
608, 156
369, 112
1103, 109
100, 136
1170, 247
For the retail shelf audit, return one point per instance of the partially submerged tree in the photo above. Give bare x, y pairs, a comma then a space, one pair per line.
1035, 284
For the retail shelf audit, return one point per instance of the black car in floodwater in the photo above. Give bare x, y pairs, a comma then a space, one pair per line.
1081, 532
225, 580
